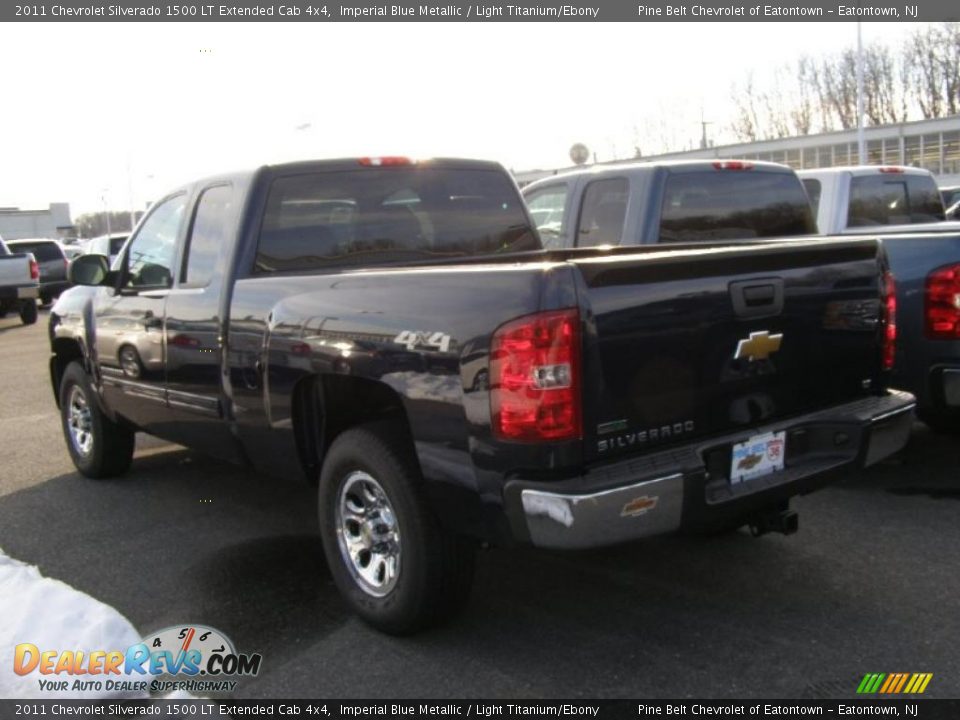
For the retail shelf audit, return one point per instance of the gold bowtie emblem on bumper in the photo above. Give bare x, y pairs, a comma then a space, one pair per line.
759, 346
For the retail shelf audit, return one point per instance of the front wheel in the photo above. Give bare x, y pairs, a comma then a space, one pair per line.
394, 564
98, 446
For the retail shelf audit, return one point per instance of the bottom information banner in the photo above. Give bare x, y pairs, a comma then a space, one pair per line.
926, 709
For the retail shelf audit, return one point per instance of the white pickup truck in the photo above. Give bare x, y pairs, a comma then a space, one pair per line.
867, 199
19, 284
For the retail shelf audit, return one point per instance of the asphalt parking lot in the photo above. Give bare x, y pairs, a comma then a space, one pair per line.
869, 584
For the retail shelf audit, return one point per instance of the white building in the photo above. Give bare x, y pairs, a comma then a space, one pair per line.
54, 222
930, 144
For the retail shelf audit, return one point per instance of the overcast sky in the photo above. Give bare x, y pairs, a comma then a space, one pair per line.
128, 110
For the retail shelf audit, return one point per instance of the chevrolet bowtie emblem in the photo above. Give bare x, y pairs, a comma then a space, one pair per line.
759, 346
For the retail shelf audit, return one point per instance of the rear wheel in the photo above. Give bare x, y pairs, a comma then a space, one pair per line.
98, 446
390, 558
28, 312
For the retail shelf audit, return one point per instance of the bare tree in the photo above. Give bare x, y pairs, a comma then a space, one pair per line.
746, 124
926, 71
884, 96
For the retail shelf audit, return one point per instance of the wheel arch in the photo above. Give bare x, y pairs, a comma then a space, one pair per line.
65, 351
324, 406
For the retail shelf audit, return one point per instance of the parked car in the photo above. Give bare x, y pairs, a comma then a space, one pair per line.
53, 265
866, 199
19, 286
72, 250
108, 245
669, 202
902, 206
393, 332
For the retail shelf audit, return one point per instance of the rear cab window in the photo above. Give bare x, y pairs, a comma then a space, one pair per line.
701, 206
42, 251
381, 216
893, 199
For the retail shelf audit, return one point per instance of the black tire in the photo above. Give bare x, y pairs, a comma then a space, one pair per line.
435, 566
28, 312
110, 448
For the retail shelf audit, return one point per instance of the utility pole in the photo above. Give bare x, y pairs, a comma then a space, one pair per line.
703, 130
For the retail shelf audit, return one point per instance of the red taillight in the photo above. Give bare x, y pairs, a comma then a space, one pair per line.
890, 328
535, 377
891, 170
941, 309
385, 161
34, 270
733, 165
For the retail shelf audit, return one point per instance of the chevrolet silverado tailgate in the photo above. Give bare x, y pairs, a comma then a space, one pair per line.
693, 342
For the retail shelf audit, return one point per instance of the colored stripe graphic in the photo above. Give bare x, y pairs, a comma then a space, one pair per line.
894, 683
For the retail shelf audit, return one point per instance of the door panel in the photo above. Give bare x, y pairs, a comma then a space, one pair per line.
129, 342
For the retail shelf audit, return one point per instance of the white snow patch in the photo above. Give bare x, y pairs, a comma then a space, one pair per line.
52, 615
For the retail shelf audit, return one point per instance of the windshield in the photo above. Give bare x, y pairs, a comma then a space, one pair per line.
389, 215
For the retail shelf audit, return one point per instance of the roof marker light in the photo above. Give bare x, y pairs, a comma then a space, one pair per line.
386, 161
733, 165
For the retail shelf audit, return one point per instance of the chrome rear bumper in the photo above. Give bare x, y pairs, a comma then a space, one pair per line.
667, 491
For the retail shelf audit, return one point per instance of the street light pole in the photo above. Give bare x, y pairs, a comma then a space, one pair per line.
861, 141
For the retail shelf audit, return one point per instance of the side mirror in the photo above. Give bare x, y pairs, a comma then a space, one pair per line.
88, 270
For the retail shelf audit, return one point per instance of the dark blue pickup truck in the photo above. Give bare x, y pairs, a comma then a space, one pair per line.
394, 333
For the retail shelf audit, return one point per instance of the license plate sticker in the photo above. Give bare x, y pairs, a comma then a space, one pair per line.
758, 456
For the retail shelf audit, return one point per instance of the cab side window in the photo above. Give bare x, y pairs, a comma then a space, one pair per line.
151, 253
602, 213
207, 235
547, 206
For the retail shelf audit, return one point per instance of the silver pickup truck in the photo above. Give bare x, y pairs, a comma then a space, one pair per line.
19, 284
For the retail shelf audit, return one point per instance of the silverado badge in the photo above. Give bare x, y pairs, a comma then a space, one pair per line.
759, 346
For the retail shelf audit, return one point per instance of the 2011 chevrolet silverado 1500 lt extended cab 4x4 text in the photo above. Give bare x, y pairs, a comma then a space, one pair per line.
394, 332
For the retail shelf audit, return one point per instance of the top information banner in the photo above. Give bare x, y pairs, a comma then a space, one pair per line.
591, 11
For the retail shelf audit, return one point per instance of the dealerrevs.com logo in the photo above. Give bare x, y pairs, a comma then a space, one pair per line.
194, 658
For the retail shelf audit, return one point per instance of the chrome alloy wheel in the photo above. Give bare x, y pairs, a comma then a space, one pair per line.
79, 421
368, 534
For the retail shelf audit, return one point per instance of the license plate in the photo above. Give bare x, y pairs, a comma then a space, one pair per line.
758, 456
